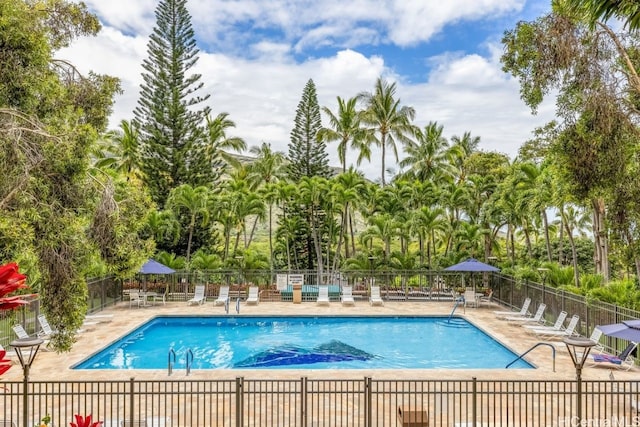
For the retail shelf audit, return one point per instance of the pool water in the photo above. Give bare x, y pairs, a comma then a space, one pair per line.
305, 343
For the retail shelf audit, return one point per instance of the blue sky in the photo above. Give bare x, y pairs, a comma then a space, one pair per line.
257, 55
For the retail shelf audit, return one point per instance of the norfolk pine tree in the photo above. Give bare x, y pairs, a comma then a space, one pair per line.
171, 127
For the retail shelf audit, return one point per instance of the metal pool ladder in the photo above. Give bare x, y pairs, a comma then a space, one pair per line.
553, 352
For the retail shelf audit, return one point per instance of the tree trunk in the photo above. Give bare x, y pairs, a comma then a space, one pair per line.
545, 221
601, 252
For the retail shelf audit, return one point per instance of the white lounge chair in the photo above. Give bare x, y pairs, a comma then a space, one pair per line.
20, 332
562, 333
537, 318
253, 297
223, 296
524, 311
45, 328
323, 295
622, 361
558, 326
198, 296
595, 337
347, 296
375, 298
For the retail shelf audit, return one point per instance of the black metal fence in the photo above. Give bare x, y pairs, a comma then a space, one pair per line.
307, 402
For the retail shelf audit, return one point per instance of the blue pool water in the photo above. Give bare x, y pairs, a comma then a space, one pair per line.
306, 343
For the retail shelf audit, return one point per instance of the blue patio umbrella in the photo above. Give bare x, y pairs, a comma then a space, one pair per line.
628, 330
472, 265
154, 267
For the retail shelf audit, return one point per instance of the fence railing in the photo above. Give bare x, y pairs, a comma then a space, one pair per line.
307, 402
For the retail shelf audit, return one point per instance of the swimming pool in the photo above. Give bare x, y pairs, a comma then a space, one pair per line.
305, 343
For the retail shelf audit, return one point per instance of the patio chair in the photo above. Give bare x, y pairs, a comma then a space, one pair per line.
524, 311
323, 295
595, 337
623, 361
537, 318
469, 298
198, 296
45, 328
375, 298
136, 298
560, 333
20, 332
253, 297
555, 327
347, 296
486, 300
223, 296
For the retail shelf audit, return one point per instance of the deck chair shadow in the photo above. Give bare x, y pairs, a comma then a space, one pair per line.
198, 296
253, 297
623, 361
524, 311
7, 423
223, 296
323, 295
537, 318
375, 298
347, 296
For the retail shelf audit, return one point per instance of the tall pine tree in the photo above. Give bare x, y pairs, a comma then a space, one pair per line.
170, 125
308, 155
308, 158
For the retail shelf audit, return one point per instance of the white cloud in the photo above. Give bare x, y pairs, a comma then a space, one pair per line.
261, 87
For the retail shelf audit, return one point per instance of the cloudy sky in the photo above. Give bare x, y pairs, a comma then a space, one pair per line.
257, 55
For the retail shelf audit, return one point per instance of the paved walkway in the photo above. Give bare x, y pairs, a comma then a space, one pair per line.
53, 366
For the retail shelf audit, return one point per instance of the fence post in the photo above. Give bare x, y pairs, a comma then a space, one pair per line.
474, 401
131, 393
239, 400
368, 413
303, 401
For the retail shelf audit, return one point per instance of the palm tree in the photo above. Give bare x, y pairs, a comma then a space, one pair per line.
120, 150
195, 202
388, 120
628, 11
427, 156
460, 151
345, 128
218, 143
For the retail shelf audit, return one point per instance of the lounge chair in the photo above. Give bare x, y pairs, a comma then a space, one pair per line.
347, 296
45, 328
198, 296
537, 318
20, 332
622, 361
560, 333
555, 327
253, 297
595, 337
223, 296
375, 298
524, 311
323, 295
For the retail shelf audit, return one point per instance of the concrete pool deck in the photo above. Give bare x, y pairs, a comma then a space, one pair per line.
57, 367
